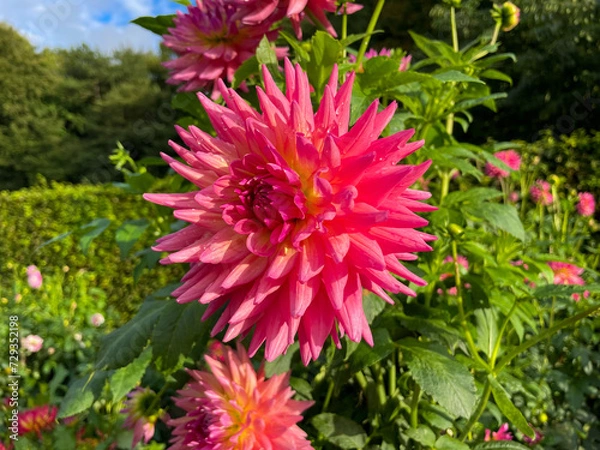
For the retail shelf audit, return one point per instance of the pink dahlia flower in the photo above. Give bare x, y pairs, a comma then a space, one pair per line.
32, 343
510, 158
294, 215
586, 205
139, 419
38, 419
372, 53
236, 408
34, 277
565, 273
541, 193
211, 44
501, 435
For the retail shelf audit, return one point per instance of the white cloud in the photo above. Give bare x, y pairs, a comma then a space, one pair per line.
101, 24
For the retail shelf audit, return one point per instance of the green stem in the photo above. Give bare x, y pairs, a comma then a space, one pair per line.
543, 335
496, 33
370, 28
485, 396
461, 309
565, 226
445, 185
328, 396
392, 384
454, 29
380, 382
414, 406
361, 380
494, 354
541, 214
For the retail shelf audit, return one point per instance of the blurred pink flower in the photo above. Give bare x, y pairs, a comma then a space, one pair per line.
462, 261
97, 319
371, 53
541, 193
294, 215
32, 343
211, 44
513, 197
536, 440
565, 273
38, 419
586, 205
139, 419
501, 435
315, 10
236, 408
34, 277
510, 158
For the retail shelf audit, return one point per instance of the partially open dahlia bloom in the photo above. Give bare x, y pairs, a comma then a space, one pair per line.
38, 419
294, 215
235, 408
140, 418
211, 43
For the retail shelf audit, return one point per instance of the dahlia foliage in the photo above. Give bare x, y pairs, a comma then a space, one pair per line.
294, 214
234, 407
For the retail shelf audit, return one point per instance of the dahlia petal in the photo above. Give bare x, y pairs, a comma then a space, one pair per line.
312, 260
245, 271
226, 247
365, 252
335, 278
337, 246
315, 326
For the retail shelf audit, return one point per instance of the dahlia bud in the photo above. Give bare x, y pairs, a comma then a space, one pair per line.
453, 3
455, 230
507, 15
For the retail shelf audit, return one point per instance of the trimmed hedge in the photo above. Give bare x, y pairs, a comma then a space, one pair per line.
30, 217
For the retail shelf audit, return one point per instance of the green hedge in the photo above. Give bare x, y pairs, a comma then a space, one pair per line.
33, 216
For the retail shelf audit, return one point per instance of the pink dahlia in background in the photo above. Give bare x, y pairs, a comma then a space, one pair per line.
586, 205
501, 435
541, 193
236, 408
372, 53
565, 273
32, 343
294, 214
536, 440
140, 418
508, 157
34, 277
211, 44
36, 420
462, 261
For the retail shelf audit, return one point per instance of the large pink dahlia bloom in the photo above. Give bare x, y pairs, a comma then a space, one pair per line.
211, 43
294, 215
235, 408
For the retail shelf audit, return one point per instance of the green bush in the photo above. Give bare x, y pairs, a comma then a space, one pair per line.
31, 217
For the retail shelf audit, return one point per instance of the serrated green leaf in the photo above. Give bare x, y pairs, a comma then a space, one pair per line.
129, 233
512, 413
178, 329
365, 355
456, 76
422, 434
504, 217
158, 25
126, 378
446, 442
82, 393
487, 329
340, 431
446, 380
96, 228
473, 196
265, 53
123, 345
324, 54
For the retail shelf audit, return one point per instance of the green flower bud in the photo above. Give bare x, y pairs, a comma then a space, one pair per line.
455, 230
455, 3
507, 15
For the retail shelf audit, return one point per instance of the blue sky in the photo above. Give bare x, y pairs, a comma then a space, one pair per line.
101, 24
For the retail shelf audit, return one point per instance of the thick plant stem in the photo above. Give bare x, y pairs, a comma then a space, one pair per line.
414, 406
496, 33
361, 380
344, 29
328, 396
485, 396
392, 375
454, 29
370, 28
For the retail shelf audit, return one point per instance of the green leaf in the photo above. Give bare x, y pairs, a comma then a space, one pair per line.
302, 388
456, 76
512, 413
178, 330
123, 345
138, 183
82, 394
487, 329
365, 355
564, 291
126, 378
129, 233
446, 442
470, 103
446, 380
248, 67
265, 53
296, 45
148, 260
373, 306
473, 196
282, 363
63, 438
324, 54
60, 237
340, 431
492, 74
435, 49
422, 434
501, 445
96, 228
504, 217
158, 24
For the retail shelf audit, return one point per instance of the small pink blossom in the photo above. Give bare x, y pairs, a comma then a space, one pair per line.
234, 407
294, 214
501, 435
34, 277
510, 158
536, 440
541, 193
139, 419
372, 53
570, 274
513, 197
586, 205
97, 319
32, 343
